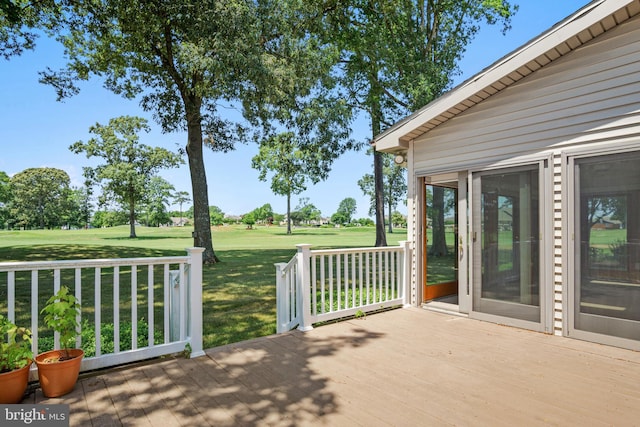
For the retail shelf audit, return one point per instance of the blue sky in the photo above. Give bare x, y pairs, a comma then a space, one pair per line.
36, 130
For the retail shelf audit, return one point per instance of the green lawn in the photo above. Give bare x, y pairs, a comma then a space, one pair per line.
238, 293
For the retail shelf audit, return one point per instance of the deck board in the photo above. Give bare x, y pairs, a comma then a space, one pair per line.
402, 367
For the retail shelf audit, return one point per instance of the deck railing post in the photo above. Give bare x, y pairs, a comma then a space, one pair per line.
304, 287
195, 301
281, 295
406, 272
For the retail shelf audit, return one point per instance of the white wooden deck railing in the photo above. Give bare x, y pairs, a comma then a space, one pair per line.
322, 285
165, 293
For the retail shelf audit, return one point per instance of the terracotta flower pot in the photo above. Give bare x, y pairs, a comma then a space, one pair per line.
58, 378
13, 385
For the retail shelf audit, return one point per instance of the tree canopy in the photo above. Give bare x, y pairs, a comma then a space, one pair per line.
216, 214
129, 167
263, 213
156, 200
80, 208
40, 197
346, 210
19, 18
293, 66
399, 56
293, 164
181, 197
305, 212
394, 186
185, 59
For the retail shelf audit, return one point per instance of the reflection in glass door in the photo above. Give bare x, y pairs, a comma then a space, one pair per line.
506, 234
440, 247
607, 284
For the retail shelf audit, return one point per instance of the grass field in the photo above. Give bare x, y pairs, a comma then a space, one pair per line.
238, 293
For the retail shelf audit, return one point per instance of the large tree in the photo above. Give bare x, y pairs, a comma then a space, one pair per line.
400, 55
80, 207
280, 155
216, 215
305, 212
346, 210
263, 213
40, 197
186, 59
181, 197
109, 218
394, 186
292, 164
306, 121
156, 201
129, 167
181, 57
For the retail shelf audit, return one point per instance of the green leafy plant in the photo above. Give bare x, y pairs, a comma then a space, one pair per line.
15, 347
187, 351
60, 314
107, 337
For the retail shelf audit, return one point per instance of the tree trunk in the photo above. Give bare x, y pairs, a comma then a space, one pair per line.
390, 230
132, 218
378, 178
378, 173
381, 237
439, 241
289, 212
201, 219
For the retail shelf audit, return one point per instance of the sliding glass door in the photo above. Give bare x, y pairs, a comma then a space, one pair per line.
506, 233
607, 245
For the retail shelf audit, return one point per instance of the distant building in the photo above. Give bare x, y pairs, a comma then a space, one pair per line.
179, 222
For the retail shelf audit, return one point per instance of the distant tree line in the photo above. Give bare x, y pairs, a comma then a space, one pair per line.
42, 198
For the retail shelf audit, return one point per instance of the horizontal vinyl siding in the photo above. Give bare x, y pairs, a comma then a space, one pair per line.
591, 95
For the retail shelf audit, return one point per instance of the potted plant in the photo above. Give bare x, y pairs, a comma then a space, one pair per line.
58, 370
15, 360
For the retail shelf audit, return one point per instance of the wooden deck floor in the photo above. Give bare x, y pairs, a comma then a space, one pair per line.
406, 367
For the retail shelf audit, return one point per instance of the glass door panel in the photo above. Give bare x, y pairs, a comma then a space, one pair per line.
607, 285
440, 247
506, 243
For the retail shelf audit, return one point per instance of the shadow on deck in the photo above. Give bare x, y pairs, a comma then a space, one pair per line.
403, 367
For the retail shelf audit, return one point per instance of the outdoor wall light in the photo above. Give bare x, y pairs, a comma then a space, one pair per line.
399, 159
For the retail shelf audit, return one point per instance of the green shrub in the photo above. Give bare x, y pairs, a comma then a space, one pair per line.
107, 334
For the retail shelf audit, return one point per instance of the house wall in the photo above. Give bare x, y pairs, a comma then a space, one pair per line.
588, 98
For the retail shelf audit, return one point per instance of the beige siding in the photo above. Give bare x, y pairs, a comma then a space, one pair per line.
591, 97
